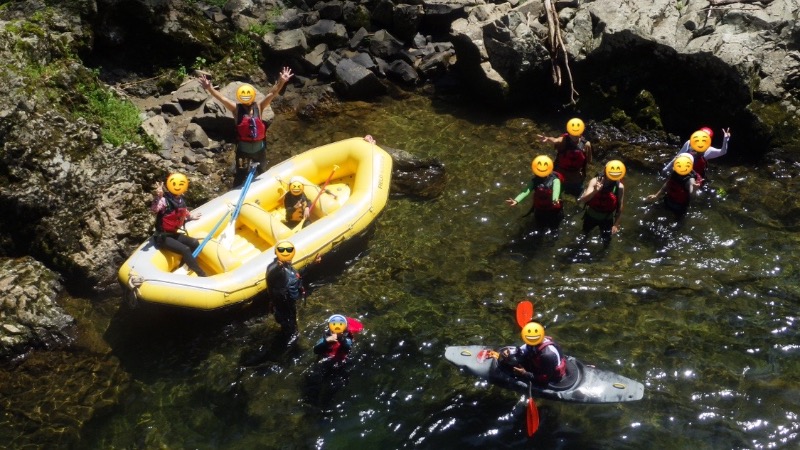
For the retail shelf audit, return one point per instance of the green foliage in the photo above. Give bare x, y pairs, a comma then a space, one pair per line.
118, 118
267, 27
243, 46
199, 63
262, 28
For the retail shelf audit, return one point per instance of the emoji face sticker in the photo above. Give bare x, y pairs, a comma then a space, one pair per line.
683, 165
246, 94
700, 141
542, 166
296, 188
177, 183
532, 333
284, 251
615, 170
575, 127
337, 323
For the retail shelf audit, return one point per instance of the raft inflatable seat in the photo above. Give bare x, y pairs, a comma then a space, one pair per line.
215, 258
266, 226
167, 261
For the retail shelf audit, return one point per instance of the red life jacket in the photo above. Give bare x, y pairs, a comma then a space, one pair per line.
174, 216
571, 155
700, 165
676, 188
249, 128
543, 192
333, 353
606, 200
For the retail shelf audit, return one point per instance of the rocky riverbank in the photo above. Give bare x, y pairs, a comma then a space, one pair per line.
76, 201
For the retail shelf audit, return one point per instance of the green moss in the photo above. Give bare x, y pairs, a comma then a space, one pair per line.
781, 124
648, 115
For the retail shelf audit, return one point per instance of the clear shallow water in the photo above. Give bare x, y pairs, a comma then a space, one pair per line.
704, 314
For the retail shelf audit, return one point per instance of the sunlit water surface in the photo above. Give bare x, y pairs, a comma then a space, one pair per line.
703, 313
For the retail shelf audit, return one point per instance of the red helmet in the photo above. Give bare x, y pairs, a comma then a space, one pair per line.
708, 130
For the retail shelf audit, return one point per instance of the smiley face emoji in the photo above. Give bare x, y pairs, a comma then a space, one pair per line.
246, 94
337, 323
700, 141
683, 165
575, 127
532, 333
542, 166
284, 251
296, 188
177, 183
615, 170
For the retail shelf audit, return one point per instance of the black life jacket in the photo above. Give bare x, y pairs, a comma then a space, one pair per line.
295, 206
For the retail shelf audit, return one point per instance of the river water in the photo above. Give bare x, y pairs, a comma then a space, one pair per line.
702, 312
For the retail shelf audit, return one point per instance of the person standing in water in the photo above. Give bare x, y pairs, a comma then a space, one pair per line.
546, 189
699, 147
604, 199
679, 188
573, 156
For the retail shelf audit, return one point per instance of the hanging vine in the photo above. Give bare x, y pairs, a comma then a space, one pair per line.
558, 51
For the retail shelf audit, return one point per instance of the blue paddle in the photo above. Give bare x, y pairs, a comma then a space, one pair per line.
226, 237
209, 235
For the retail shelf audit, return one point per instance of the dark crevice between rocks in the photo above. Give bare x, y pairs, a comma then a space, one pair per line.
689, 91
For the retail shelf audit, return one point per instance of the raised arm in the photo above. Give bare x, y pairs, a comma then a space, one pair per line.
205, 83
284, 77
712, 152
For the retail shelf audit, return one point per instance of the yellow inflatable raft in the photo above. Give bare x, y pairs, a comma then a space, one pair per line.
356, 194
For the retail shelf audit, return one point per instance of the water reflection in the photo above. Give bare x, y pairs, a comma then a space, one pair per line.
702, 311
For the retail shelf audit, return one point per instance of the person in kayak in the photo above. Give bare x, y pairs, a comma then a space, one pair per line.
679, 187
285, 289
171, 214
546, 188
251, 130
539, 359
573, 156
337, 341
699, 146
604, 197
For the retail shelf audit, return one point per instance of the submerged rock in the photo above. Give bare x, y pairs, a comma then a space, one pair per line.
31, 316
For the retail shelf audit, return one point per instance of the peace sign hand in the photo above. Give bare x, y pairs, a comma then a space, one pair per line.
726, 132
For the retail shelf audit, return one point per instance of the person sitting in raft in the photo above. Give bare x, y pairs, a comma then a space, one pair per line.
296, 203
337, 341
539, 359
604, 197
171, 214
679, 187
573, 156
699, 147
546, 187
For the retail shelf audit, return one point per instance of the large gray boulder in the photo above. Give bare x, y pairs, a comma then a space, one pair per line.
354, 81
